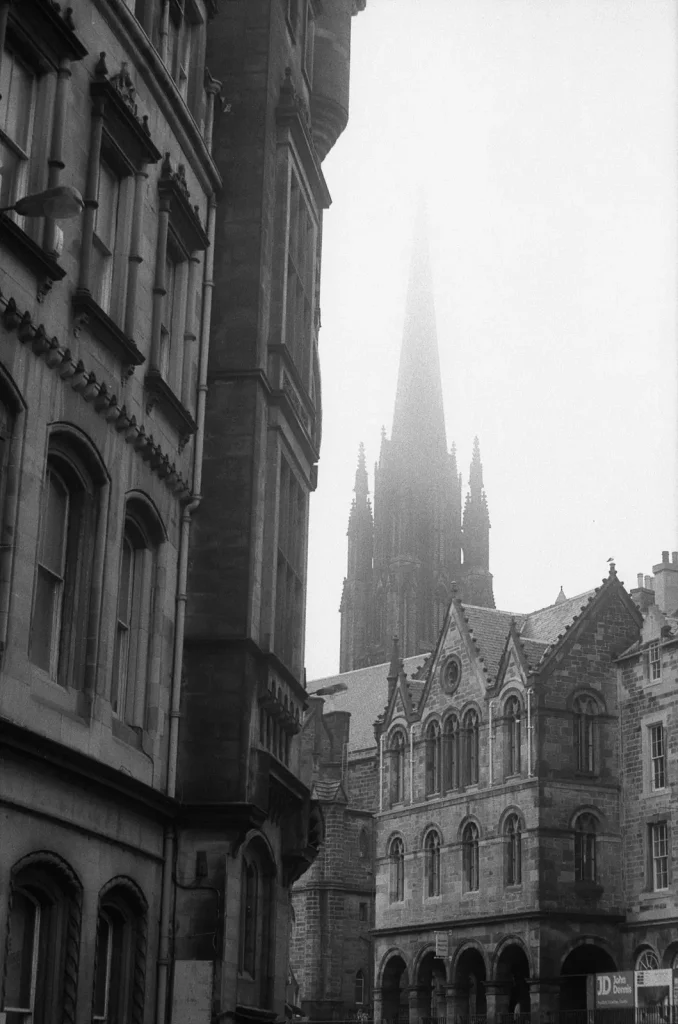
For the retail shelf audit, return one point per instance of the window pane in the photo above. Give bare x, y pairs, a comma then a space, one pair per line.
16, 86
22, 940
53, 532
107, 213
9, 170
101, 981
45, 619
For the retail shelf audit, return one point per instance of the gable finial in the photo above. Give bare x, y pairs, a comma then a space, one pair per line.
613, 567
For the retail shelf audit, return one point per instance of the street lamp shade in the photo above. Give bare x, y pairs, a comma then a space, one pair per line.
59, 203
330, 690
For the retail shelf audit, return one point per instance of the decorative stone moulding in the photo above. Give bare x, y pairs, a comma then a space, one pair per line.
184, 218
93, 391
47, 27
115, 96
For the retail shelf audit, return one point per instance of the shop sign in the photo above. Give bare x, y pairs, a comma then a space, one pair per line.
615, 989
442, 945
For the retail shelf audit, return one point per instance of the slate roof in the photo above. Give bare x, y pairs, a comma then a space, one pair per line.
489, 628
548, 623
365, 697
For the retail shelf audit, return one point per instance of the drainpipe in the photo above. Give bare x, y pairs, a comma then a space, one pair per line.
412, 763
179, 626
491, 740
529, 730
381, 772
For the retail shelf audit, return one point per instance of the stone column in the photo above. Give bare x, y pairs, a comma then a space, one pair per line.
544, 998
416, 996
456, 1002
495, 999
376, 1006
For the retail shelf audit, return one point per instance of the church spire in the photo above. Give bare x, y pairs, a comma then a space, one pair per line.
418, 418
360, 488
476, 537
475, 478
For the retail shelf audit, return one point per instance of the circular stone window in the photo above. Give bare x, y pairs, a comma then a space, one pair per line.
451, 674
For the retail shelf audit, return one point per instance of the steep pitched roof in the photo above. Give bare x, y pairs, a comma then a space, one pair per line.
547, 624
489, 628
365, 697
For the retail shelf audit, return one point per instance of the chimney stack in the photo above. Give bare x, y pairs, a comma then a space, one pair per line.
666, 583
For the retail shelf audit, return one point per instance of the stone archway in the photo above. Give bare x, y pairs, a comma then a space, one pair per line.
512, 975
431, 987
469, 984
588, 958
395, 983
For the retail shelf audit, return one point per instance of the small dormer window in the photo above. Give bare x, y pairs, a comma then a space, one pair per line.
655, 660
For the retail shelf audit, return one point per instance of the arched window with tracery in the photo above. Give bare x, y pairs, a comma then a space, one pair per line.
432, 863
647, 960
471, 857
512, 716
359, 988
471, 731
398, 767
451, 753
433, 758
514, 865
396, 855
585, 828
43, 940
585, 712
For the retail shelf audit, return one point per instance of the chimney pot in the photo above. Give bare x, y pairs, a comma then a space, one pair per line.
648, 583
665, 556
674, 557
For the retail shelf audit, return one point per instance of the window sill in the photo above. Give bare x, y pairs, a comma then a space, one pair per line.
44, 267
87, 311
589, 890
129, 734
162, 395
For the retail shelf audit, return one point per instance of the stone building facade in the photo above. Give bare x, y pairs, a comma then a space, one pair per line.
151, 679
522, 788
405, 557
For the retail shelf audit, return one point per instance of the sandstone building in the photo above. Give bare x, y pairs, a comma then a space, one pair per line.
160, 428
404, 558
521, 782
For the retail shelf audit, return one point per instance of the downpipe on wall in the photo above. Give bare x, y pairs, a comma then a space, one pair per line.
169, 846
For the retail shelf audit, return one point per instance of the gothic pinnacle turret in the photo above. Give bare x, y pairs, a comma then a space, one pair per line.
476, 537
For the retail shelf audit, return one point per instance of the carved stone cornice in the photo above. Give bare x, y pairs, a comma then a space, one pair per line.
292, 114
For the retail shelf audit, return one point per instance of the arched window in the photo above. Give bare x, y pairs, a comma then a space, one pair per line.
584, 733
119, 978
359, 988
471, 747
585, 848
44, 915
433, 758
396, 856
398, 767
66, 546
514, 867
647, 960
432, 863
470, 853
248, 927
512, 720
254, 947
451, 752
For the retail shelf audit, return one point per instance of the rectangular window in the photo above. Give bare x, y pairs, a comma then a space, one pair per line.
300, 281
168, 329
49, 589
290, 569
655, 661
17, 110
362, 911
658, 756
659, 855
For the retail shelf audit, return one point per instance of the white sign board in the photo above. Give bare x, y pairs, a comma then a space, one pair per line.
192, 991
442, 945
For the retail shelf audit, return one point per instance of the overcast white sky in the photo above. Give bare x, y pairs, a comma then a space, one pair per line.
543, 133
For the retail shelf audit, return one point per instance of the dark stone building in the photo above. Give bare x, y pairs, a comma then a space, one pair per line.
522, 784
159, 435
404, 558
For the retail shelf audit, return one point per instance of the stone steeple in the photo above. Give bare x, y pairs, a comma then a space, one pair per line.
416, 534
476, 537
356, 599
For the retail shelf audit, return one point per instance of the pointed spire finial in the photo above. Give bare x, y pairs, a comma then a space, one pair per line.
394, 667
475, 479
561, 597
361, 487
